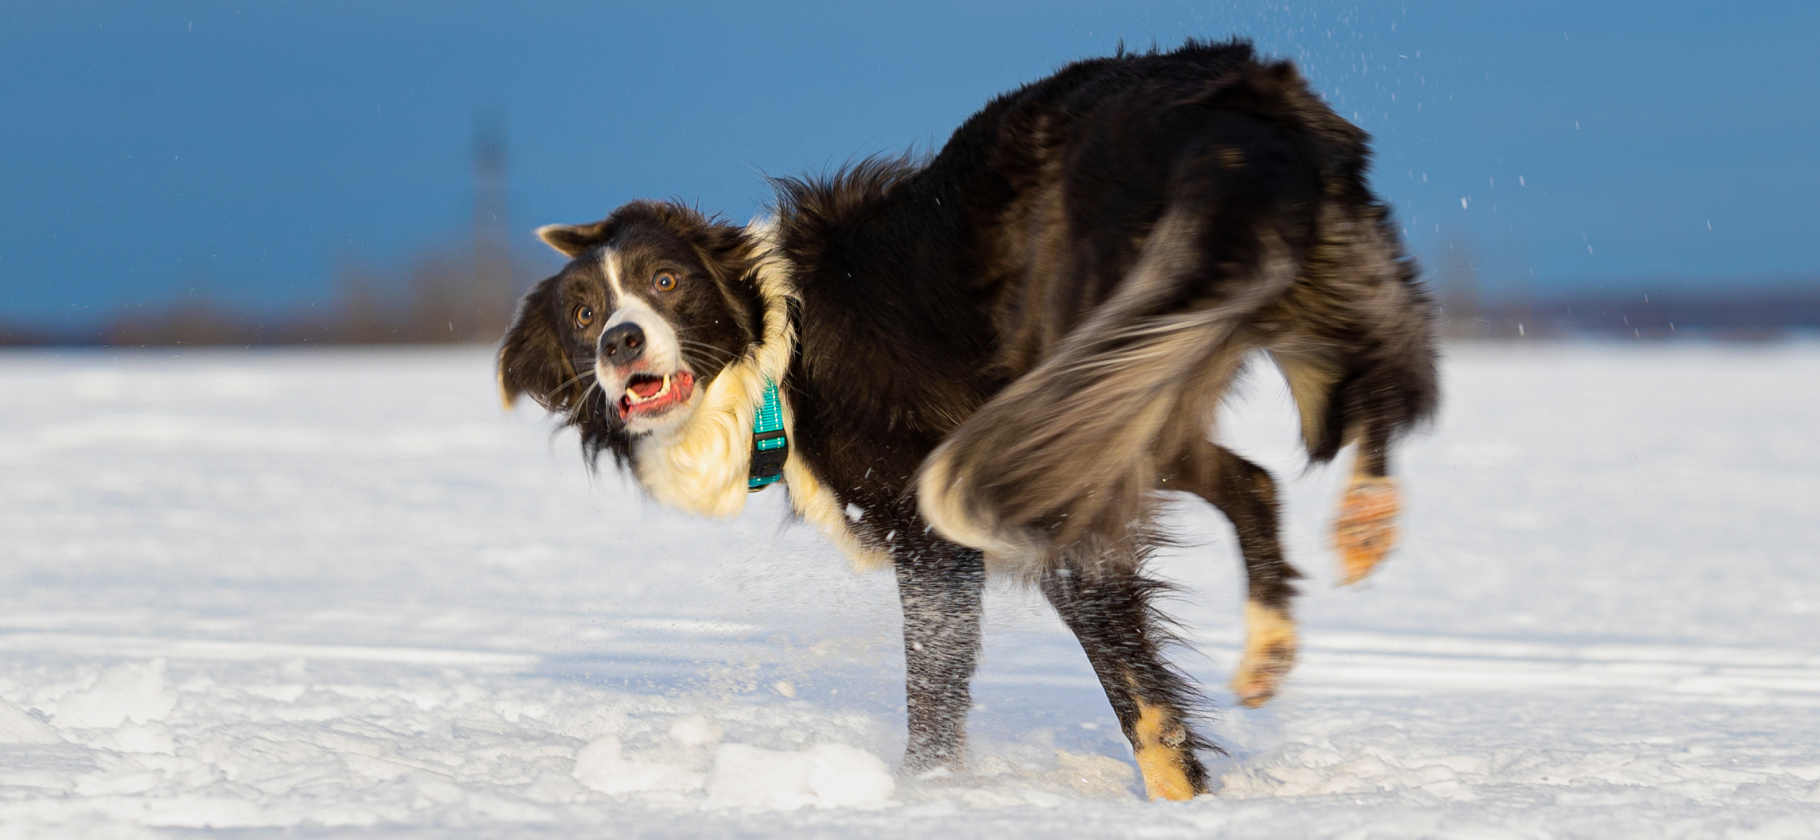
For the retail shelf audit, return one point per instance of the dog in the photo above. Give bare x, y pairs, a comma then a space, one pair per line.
997, 359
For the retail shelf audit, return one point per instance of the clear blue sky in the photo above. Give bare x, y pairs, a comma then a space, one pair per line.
148, 148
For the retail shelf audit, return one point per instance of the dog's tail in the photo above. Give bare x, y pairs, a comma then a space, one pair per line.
1070, 449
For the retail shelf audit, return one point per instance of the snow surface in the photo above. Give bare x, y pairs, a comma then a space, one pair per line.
293, 592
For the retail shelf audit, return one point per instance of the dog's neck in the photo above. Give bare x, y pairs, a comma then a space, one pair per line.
704, 466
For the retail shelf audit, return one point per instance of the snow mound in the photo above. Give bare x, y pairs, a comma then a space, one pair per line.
734, 775
17, 727
602, 767
134, 692
822, 776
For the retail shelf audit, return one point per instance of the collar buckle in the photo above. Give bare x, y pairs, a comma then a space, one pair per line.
770, 447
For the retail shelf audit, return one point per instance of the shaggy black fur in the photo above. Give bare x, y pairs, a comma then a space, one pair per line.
1037, 324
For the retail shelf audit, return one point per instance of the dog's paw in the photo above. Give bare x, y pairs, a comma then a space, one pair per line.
1270, 648
1366, 528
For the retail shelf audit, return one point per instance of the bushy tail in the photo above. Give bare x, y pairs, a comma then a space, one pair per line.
1069, 449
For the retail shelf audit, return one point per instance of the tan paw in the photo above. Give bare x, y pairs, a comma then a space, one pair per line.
1366, 528
1158, 745
1270, 648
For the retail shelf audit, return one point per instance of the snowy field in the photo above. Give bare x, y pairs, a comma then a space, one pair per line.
294, 592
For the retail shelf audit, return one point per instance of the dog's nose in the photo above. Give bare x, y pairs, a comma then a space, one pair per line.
623, 344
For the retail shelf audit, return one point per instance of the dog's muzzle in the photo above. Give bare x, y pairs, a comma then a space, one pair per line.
622, 345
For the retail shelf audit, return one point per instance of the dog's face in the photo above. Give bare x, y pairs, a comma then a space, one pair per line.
655, 301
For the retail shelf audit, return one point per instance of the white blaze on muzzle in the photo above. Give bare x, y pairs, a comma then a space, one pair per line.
648, 384
662, 351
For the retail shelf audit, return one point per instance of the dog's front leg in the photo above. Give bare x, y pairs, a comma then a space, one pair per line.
940, 585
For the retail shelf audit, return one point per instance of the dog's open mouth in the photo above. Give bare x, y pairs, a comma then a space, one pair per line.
650, 394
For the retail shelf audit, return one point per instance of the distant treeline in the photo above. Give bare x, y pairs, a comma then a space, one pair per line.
1737, 314
442, 299
437, 300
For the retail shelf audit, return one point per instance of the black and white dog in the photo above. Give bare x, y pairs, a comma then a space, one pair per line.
1000, 356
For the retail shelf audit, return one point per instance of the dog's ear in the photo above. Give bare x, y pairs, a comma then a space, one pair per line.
573, 240
726, 251
533, 359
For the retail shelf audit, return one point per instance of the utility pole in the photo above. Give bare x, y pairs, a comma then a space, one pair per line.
492, 238
1460, 293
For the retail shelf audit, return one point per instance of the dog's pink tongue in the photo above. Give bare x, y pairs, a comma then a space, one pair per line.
645, 388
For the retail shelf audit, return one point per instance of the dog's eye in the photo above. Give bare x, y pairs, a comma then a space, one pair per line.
664, 281
584, 315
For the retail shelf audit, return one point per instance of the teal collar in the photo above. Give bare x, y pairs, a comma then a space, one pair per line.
770, 448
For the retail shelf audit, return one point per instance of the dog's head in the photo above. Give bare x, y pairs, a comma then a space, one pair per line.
656, 301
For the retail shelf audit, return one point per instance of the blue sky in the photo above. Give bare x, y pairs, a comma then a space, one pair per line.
248, 149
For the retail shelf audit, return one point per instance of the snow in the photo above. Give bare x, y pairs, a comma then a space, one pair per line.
294, 592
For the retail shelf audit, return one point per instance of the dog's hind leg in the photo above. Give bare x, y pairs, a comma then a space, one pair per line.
1247, 494
1364, 398
1366, 528
1361, 364
1107, 605
940, 585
